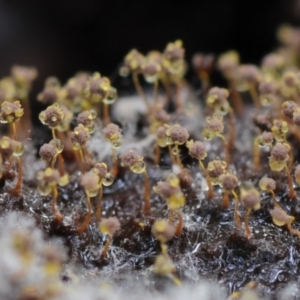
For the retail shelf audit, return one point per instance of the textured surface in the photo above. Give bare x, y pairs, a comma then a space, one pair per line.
210, 247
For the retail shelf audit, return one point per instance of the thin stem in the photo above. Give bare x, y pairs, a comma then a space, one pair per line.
231, 137
164, 248
247, 228
155, 92
157, 154
202, 166
87, 156
26, 121
236, 210
17, 189
178, 100
57, 215
291, 158
52, 163
14, 130
237, 102
179, 226
53, 133
61, 165
292, 230
99, 205
139, 89
106, 114
225, 199
292, 193
254, 96
167, 87
147, 205
82, 160
106, 246
87, 219
115, 168
256, 154
274, 198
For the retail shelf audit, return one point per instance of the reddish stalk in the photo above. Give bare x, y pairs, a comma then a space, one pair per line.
87, 156
99, 205
178, 100
291, 158
167, 87
292, 230
147, 205
115, 168
225, 199
292, 193
256, 154
231, 138
247, 228
157, 154
237, 102
155, 92
83, 164
106, 114
17, 189
61, 165
179, 227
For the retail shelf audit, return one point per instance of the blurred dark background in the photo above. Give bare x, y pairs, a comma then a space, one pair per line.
60, 37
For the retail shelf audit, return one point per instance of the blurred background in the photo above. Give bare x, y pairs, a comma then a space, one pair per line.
61, 37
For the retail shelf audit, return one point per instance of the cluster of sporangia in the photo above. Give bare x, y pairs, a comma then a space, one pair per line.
274, 89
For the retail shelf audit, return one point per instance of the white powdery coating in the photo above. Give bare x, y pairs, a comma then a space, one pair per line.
31, 165
99, 147
86, 290
203, 291
290, 292
89, 291
16, 274
207, 291
102, 151
129, 109
10, 262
